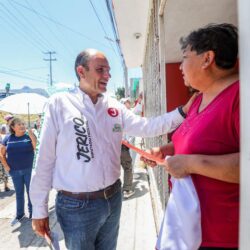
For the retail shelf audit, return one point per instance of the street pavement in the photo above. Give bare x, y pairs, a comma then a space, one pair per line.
137, 226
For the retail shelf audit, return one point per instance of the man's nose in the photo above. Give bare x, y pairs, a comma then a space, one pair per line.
106, 74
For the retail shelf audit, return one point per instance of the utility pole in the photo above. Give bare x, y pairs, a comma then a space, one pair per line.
117, 40
50, 53
126, 79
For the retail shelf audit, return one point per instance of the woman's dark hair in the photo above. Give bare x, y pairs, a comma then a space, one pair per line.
220, 38
12, 123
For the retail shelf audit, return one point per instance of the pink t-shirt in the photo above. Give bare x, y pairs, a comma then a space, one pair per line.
214, 131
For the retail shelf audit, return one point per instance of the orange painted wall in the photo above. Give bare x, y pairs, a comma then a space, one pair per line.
177, 93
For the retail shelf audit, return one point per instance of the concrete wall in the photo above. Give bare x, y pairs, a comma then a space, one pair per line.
244, 34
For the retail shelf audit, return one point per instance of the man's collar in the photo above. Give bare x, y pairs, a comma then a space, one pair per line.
86, 95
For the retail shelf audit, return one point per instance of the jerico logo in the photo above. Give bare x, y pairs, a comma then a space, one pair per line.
113, 112
83, 140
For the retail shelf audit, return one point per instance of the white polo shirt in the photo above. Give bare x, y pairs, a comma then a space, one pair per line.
80, 144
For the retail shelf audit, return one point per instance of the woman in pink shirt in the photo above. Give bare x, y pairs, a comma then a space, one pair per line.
206, 145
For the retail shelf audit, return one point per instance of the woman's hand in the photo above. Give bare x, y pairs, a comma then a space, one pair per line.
155, 152
177, 165
33, 138
160, 153
31, 134
7, 168
186, 107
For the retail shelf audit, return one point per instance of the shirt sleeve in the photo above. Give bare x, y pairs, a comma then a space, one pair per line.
135, 125
41, 182
5, 140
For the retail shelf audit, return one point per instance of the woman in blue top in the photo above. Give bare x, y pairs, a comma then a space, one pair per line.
17, 154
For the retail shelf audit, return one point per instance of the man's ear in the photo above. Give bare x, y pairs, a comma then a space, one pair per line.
80, 71
208, 59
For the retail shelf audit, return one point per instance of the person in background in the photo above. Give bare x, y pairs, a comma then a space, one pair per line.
3, 175
17, 153
138, 109
37, 126
8, 118
79, 156
37, 123
138, 106
4, 131
206, 145
126, 160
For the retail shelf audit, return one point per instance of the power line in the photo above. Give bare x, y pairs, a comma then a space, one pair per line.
114, 26
15, 24
52, 33
27, 69
32, 27
48, 27
21, 71
50, 53
23, 28
58, 23
21, 76
27, 40
104, 9
102, 25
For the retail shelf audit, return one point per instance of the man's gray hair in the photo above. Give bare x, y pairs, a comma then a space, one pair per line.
83, 59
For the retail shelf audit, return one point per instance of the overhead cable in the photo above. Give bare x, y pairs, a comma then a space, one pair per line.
13, 20
21, 76
60, 24
32, 27
106, 35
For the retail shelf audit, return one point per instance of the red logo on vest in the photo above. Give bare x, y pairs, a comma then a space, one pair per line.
113, 112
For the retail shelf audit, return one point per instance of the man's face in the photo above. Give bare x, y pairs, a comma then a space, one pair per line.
96, 77
127, 104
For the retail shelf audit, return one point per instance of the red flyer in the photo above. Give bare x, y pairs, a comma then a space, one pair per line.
143, 153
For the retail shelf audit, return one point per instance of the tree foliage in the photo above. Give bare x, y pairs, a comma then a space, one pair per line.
120, 93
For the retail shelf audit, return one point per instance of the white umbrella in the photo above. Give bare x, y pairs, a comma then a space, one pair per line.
59, 87
63, 85
24, 103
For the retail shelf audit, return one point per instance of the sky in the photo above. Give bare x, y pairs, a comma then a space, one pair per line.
31, 28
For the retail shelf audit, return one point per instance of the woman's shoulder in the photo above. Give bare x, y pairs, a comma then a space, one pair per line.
6, 139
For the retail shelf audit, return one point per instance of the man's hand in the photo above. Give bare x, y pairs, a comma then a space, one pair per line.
186, 107
177, 165
155, 152
41, 227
